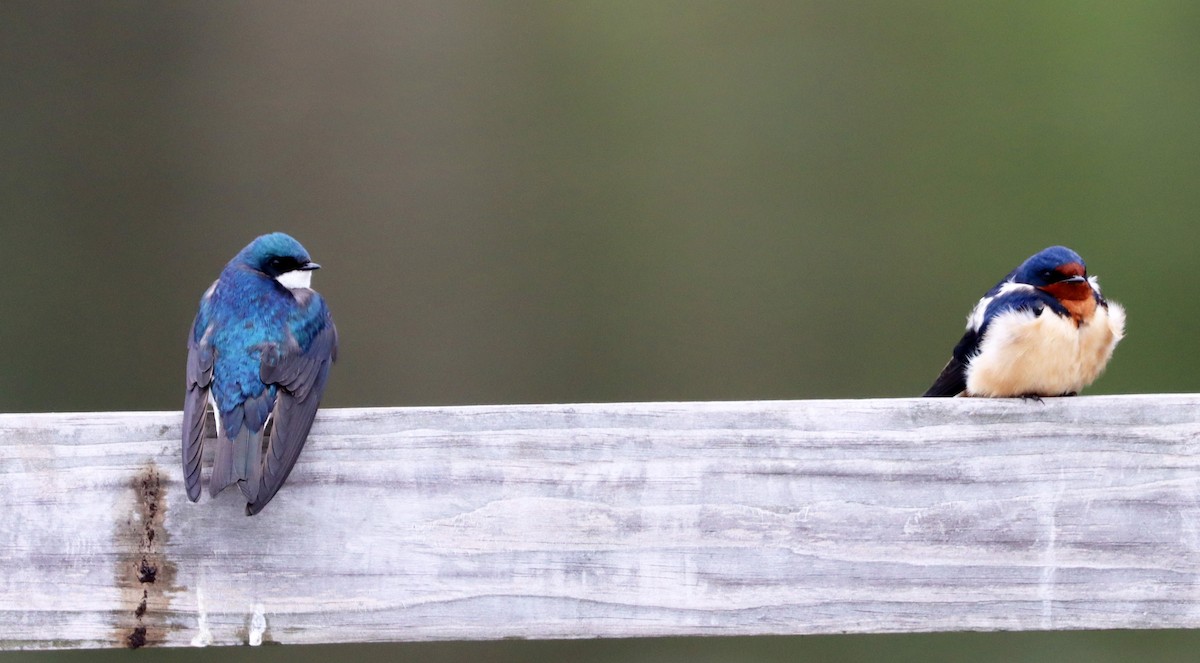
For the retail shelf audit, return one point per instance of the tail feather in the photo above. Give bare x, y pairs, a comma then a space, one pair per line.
237, 461
247, 462
222, 471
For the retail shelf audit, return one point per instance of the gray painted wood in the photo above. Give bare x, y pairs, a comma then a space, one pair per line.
613, 520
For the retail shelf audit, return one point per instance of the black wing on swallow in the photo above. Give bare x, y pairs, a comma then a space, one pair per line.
953, 379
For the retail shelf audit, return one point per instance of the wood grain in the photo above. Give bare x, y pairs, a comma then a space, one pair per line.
613, 520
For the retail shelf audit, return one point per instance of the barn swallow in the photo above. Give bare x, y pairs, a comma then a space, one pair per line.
1045, 330
259, 350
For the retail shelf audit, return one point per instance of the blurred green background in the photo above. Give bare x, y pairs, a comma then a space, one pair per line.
597, 201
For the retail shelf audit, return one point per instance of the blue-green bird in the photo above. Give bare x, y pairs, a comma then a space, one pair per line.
259, 350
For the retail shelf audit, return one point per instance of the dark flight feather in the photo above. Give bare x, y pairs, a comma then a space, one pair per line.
195, 404
222, 470
300, 376
953, 379
247, 462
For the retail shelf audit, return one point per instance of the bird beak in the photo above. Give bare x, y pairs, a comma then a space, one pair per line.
1075, 279
309, 266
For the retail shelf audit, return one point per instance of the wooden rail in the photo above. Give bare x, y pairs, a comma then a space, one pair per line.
613, 520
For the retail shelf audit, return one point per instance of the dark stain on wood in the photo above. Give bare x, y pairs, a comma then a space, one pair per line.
147, 572
144, 573
137, 638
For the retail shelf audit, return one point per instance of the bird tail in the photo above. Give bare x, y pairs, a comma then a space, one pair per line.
222, 471
238, 461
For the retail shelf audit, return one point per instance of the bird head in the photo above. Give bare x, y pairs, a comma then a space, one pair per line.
280, 257
1058, 271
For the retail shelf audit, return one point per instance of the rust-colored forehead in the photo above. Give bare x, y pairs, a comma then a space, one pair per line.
1072, 269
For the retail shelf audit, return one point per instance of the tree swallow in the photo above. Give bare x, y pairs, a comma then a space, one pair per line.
1044, 330
259, 350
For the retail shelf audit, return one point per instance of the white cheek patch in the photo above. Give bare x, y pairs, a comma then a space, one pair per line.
295, 279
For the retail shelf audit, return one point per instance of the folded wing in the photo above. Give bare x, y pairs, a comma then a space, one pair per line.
195, 403
300, 375
953, 379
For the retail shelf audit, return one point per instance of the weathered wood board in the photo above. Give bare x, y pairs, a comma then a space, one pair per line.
613, 520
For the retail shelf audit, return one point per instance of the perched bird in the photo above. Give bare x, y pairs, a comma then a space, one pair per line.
259, 350
1044, 330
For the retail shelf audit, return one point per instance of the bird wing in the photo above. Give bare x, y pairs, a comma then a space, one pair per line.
300, 374
953, 379
195, 402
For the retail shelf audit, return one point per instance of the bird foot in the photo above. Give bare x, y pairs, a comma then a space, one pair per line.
1032, 397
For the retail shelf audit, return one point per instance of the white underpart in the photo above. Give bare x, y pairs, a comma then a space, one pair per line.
296, 279
216, 411
1023, 353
